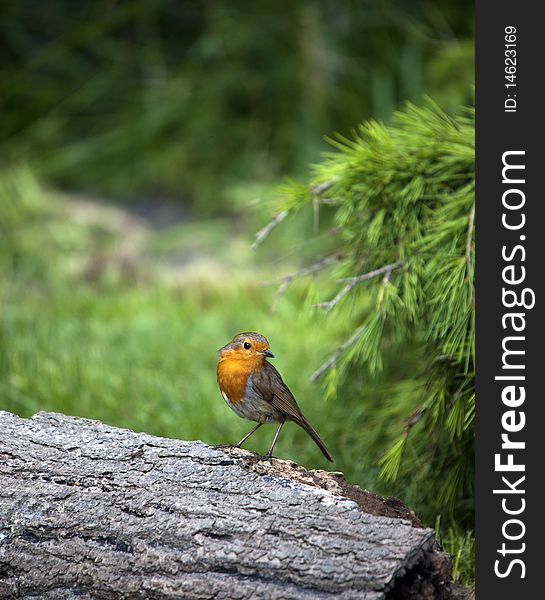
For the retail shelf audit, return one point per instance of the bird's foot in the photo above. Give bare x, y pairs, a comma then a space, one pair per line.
252, 456
224, 446
257, 458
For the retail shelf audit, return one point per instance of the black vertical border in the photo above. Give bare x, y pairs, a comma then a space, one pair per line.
497, 132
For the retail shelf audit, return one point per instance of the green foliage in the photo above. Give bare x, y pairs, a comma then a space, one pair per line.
184, 99
461, 546
401, 198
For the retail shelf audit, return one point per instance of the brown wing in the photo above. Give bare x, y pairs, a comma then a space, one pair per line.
272, 388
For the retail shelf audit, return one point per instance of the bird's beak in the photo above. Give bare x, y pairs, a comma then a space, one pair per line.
268, 353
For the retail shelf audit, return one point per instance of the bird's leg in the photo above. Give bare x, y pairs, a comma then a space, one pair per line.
269, 453
248, 435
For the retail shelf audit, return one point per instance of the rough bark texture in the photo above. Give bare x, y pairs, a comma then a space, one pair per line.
92, 511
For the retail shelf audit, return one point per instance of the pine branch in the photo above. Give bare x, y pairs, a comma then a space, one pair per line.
353, 281
310, 270
286, 280
408, 188
319, 188
412, 420
264, 232
332, 360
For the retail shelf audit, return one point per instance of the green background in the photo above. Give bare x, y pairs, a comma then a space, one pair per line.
141, 147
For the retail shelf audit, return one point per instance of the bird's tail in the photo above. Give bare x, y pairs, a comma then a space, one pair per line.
314, 435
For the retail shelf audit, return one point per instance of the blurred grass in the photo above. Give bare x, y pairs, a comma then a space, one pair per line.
460, 545
185, 100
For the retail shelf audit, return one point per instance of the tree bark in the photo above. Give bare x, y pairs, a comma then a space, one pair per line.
92, 511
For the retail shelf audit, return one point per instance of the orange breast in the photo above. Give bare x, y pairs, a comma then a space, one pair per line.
232, 378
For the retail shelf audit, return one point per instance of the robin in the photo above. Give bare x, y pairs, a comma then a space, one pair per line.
253, 388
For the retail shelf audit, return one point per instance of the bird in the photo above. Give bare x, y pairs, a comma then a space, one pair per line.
254, 389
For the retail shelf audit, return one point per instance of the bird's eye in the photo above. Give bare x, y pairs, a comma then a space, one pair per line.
247, 345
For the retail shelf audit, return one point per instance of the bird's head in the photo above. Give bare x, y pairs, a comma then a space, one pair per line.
249, 347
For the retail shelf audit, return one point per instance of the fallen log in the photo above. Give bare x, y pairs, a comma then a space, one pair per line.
93, 511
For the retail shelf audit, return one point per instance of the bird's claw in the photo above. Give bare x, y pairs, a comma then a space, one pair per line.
224, 446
